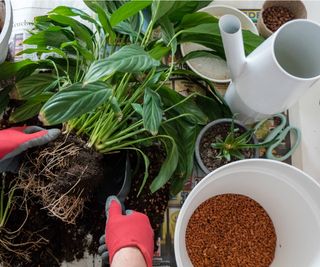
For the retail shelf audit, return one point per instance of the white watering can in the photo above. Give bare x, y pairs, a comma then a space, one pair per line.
276, 74
6, 24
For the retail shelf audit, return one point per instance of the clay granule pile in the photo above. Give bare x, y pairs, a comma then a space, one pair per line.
230, 230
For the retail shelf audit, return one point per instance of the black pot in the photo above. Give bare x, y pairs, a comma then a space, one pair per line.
117, 177
209, 126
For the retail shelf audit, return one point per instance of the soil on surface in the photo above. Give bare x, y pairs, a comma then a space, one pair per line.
210, 156
153, 205
67, 242
230, 230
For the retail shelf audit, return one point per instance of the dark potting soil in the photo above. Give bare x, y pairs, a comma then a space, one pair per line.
60, 240
153, 205
209, 155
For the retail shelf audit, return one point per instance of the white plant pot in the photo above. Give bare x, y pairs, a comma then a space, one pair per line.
290, 197
6, 20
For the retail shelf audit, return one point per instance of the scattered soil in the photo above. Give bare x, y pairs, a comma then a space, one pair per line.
210, 156
275, 16
153, 205
230, 230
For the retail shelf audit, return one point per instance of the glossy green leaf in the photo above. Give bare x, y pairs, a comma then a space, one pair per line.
197, 18
137, 108
178, 104
168, 166
159, 51
81, 31
183, 7
167, 33
29, 109
106, 25
74, 101
33, 85
127, 10
82, 50
152, 111
11, 69
160, 8
73, 12
53, 36
131, 59
251, 41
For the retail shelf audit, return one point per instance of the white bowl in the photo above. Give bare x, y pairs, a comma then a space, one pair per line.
215, 69
290, 197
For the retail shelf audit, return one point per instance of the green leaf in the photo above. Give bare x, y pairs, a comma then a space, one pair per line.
168, 166
73, 12
127, 10
152, 111
137, 108
53, 37
82, 51
180, 105
160, 8
168, 32
104, 20
4, 98
82, 32
41, 51
185, 135
74, 101
197, 18
11, 69
33, 85
251, 41
29, 109
159, 51
131, 59
181, 8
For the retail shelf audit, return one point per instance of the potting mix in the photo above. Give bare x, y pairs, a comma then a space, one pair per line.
230, 230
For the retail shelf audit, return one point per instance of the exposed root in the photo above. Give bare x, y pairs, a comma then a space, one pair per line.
11, 246
64, 206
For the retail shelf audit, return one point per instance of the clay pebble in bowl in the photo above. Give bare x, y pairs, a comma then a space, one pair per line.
215, 69
276, 13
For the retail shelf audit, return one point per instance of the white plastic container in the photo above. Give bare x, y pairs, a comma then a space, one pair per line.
6, 16
290, 197
276, 74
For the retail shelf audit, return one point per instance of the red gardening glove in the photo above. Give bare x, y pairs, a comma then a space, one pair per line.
15, 140
130, 230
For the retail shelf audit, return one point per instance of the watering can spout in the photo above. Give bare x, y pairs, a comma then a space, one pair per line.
231, 33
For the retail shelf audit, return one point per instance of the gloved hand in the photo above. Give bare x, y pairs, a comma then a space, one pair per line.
130, 230
14, 141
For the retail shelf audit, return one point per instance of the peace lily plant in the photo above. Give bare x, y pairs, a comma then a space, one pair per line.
102, 77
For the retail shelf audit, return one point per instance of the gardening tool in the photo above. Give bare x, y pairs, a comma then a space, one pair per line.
13, 141
276, 74
125, 229
6, 18
279, 134
125, 179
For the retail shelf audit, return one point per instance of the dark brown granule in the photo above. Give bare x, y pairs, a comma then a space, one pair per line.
230, 230
275, 16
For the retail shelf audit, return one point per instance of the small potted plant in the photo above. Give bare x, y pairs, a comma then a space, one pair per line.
223, 141
6, 23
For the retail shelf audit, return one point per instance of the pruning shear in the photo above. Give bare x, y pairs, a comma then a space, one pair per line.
279, 134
